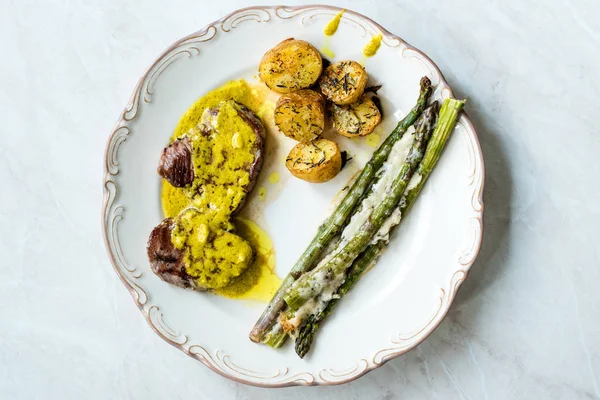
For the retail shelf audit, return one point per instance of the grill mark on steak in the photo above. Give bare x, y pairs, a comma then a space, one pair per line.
166, 261
176, 164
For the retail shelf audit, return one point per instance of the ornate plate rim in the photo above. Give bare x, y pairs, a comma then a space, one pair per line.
299, 379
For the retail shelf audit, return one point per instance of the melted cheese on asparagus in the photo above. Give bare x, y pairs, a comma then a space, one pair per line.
387, 174
323, 284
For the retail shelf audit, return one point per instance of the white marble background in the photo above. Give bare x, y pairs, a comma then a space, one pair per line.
526, 324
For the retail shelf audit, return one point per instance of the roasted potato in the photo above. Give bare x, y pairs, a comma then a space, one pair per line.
343, 82
317, 161
301, 115
356, 119
290, 66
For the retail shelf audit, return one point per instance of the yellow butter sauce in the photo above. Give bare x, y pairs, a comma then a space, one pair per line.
262, 193
371, 48
326, 49
373, 140
329, 30
220, 159
259, 280
274, 178
332, 26
173, 200
239, 91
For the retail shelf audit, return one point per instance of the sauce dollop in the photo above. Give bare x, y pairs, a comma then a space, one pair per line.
371, 48
332, 25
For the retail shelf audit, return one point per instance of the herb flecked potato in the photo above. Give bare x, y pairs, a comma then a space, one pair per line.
343, 82
317, 161
356, 119
301, 115
290, 66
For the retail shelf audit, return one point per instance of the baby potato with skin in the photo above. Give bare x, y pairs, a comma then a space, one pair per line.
318, 161
301, 115
343, 82
291, 65
356, 119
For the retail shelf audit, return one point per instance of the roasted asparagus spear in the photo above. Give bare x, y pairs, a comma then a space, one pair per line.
334, 224
449, 113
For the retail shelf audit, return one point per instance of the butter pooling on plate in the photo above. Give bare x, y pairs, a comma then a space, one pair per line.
257, 281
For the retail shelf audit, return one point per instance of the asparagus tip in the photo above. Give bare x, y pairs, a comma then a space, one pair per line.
434, 106
425, 82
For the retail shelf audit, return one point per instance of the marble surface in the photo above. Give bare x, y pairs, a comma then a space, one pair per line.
525, 324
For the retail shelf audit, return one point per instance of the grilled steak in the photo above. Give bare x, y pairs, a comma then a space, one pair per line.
176, 164
217, 167
259, 145
165, 260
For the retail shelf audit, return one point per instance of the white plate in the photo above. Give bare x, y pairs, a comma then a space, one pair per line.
394, 307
